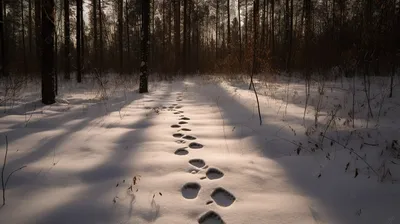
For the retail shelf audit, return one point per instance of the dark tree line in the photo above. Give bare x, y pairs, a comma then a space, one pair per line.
190, 36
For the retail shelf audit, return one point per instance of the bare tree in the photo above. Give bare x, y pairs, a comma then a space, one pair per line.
67, 41
48, 76
143, 85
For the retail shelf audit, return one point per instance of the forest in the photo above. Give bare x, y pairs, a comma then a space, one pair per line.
200, 111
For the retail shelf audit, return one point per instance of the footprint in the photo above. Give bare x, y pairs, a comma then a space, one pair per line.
214, 173
195, 145
223, 197
211, 217
181, 151
190, 190
184, 118
180, 141
199, 163
182, 122
186, 129
174, 104
177, 112
175, 126
178, 107
189, 137
178, 135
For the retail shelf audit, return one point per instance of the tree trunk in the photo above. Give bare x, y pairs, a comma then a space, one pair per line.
287, 30
78, 41
48, 91
95, 44
30, 26
128, 48
177, 34
25, 66
246, 24
3, 66
38, 17
273, 28
100, 65
216, 30
240, 37
67, 41
82, 40
120, 42
185, 35
143, 85
255, 36
229, 27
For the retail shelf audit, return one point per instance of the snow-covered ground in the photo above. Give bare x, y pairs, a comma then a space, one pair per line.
193, 151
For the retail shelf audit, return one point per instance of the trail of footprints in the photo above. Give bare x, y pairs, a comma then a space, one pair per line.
190, 191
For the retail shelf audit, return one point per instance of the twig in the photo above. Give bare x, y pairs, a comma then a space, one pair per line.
4, 184
2, 173
352, 151
258, 103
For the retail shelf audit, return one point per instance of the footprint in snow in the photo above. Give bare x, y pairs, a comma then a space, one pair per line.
180, 141
186, 129
189, 137
182, 122
211, 217
178, 100
190, 190
214, 173
178, 107
178, 135
177, 112
195, 145
175, 126
199, 163
184, 118
223, 197
181, 151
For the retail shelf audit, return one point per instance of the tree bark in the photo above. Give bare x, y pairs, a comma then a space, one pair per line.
95, 41
177, 38
48, 90
78, 41
240, 36
229, 27
100, 65
120, 31
25, 66
38, 17
30, 26
3, 67
185, 35
143, 85
67, 41
216, 29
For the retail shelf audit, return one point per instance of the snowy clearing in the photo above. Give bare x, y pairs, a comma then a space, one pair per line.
193, 151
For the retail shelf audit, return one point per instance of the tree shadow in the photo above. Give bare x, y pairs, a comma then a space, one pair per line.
333, 198
101, 178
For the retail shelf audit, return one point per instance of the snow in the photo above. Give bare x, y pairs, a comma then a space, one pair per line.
92, 159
